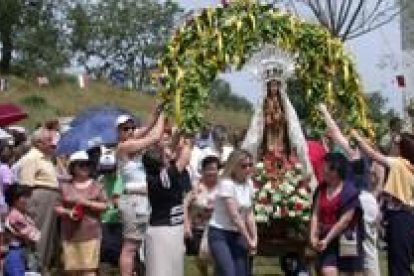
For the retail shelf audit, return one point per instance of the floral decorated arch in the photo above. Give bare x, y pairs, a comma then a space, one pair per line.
220, 38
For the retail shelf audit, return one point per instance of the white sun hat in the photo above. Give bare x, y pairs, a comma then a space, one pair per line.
4, 135
17, 128
79, 156
122, 119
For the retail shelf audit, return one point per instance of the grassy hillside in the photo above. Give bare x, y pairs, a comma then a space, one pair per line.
65, 98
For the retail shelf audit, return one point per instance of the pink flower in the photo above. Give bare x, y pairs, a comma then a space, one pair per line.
298, 206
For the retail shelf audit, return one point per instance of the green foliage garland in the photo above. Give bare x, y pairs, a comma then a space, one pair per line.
221, 37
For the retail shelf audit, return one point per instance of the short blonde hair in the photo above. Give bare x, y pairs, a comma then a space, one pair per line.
234, 160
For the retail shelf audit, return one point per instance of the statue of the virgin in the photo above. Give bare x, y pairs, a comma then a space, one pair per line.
275, 126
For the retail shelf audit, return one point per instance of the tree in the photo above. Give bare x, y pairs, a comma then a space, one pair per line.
81, 37
379, 114
41, 43
32, 35
9, 21
124, 35
222, 95
348, 19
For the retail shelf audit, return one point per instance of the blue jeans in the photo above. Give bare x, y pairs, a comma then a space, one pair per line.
14, 263
229, 251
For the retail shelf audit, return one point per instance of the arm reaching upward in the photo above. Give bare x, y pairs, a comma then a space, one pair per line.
366, 147
138, 144
336, 133
143, 131
183, 158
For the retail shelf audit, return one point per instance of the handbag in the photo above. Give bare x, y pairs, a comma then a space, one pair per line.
348, 244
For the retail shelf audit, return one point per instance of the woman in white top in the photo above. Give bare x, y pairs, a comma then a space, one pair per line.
200, 206
232, 231
133, 204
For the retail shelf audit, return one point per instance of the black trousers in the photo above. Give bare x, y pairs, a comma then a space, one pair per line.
400, 240
111, 243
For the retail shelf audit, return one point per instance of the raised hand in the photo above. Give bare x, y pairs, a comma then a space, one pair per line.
322, 108
354, 133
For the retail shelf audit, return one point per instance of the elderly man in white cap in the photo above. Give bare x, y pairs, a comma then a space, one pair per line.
134, 204
38, 171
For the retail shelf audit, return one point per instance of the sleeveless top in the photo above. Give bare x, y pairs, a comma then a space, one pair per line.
134, 178
133, 174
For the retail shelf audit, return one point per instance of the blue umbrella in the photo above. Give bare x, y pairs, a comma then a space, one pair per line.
91, 128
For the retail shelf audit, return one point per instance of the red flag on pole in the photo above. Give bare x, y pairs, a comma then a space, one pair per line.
401, 81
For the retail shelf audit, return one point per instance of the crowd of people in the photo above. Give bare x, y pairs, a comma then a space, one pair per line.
158, 194
365, 191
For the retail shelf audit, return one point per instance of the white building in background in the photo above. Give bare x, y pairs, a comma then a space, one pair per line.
407, 42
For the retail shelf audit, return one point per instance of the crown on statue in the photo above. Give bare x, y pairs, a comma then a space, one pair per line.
271, 63
272, 71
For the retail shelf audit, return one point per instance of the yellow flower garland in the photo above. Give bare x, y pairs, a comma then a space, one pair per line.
217, 38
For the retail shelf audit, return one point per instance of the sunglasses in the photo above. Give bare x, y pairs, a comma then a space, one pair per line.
128, 128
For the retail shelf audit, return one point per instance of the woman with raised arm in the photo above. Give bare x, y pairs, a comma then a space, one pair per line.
168, 183
335, 133
336, 229
232, 233
360, 175
133, 204
359, 163
397, 200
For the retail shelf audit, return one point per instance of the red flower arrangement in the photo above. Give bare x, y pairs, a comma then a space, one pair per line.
282, 191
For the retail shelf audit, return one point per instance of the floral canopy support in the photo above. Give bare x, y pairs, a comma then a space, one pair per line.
219, 38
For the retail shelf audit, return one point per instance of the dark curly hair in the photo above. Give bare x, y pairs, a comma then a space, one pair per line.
210, 160
338, 163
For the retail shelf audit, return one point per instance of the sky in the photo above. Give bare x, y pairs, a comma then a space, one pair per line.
377, 55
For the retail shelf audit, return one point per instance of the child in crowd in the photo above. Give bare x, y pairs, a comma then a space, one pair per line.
22, 231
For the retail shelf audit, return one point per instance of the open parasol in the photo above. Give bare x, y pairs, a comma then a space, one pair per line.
11, 113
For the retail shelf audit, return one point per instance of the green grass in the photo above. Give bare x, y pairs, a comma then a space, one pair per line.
65, 98
263, 266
